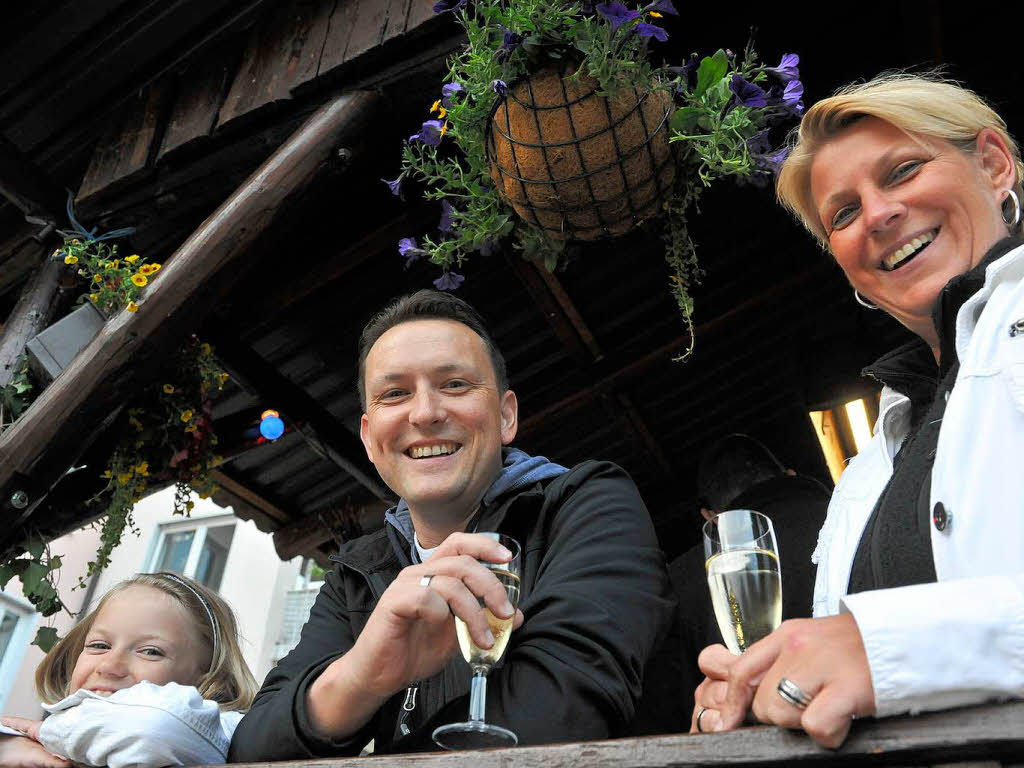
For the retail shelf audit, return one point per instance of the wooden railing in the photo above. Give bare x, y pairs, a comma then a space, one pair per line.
978, 737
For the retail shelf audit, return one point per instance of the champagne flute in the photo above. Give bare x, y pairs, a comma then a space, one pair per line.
476, 733
742, 562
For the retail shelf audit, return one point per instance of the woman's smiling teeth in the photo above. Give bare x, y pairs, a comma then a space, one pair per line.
426, 451
904, 254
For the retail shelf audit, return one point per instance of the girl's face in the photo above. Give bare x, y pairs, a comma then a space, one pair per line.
140, 633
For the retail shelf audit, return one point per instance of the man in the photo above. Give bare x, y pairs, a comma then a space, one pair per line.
738, 472
378, 657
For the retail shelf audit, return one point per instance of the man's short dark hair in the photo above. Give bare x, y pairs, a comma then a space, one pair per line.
427, 305
730, 466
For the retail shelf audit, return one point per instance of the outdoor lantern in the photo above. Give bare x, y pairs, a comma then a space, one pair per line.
271, 425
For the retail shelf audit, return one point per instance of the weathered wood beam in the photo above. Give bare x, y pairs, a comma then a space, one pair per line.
991, 732
309, 532
31, 314
248, 504
44, 442
318, 426
27, 186
614, 372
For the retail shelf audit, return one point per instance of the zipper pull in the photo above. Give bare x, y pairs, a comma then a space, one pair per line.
407, 707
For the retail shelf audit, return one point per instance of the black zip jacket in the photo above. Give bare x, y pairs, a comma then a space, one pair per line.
596, 599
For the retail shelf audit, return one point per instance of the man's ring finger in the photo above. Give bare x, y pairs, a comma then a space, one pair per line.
793, 693
425, 581
699, 716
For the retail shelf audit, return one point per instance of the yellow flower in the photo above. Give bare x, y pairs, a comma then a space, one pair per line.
224, 377
135, 257
655, 15
107, 473
191, 428
169, 389
143, 468
149, 269
70, 259
132, 307
442, 113
115, 263
216, 461
97, 278
124, 478
139, 279
186, 415
444, 128
206, 348
436, 106
94, 297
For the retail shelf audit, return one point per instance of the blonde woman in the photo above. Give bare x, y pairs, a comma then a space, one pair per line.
153, 677
914, 186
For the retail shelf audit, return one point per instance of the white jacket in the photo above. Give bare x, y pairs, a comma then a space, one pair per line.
145, 726
960, 640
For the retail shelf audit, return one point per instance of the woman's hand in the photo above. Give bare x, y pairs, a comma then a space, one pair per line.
26, 725
824, 657
715, 661
23, 752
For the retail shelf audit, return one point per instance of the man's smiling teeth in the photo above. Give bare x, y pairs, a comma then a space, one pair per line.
896, 257
441, 449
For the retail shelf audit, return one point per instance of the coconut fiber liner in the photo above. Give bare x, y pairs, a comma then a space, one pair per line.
577, 164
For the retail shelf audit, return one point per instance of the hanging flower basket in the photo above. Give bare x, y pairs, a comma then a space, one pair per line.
575, 163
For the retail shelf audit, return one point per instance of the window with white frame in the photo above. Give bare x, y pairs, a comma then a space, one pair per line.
195, 548
17, 620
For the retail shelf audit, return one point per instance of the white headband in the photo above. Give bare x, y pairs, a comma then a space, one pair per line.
209, 612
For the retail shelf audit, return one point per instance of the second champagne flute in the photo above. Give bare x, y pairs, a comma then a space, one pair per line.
476, 733
742, 562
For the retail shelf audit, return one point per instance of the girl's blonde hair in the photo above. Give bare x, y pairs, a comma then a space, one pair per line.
927, 105
228, 681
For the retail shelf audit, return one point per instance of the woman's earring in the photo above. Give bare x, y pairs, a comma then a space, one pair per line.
862, 301
1011, 221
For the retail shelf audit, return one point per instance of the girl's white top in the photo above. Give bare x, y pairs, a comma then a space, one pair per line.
145, 726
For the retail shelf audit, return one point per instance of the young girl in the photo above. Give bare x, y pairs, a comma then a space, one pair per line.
153, 677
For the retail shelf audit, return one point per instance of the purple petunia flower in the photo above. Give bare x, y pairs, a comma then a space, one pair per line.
662, 6
772, 161
500, 87
442, 6
449, 93
395, 186
449, 281
793, 93
616, 13
652, 30
510, 41
445, 225
787, 69
748, 94
408, 250
430, 133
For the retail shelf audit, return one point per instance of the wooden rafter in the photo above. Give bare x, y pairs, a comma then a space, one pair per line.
45, 441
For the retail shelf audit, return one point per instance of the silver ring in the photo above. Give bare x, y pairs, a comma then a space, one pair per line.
793, 693
699, 716
425, 581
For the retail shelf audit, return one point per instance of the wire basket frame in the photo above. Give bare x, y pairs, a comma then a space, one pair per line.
577, 164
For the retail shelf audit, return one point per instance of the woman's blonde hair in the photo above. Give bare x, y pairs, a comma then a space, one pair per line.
928, 105
228, 680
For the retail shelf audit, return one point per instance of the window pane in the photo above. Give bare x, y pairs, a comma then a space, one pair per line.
175, 554
7, 625
210, 568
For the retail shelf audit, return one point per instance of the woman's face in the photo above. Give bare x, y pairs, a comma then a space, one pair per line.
904, 215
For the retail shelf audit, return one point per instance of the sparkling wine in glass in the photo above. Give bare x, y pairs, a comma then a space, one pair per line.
476, 733
742, 562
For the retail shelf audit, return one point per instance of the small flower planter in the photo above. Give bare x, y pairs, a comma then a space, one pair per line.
51, 351
577, 164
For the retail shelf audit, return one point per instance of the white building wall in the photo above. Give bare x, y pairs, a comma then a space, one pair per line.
255, 583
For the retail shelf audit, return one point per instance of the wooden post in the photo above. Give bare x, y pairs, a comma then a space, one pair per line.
45, 441
30, 315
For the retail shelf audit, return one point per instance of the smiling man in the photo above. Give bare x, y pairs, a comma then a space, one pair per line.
378, 658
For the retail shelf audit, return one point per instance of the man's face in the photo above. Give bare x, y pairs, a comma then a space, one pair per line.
435, 420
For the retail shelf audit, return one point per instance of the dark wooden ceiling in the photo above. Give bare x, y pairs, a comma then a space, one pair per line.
153, 112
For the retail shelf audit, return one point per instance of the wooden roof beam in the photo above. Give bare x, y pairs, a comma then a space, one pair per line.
318, 426
46, 440
28, 187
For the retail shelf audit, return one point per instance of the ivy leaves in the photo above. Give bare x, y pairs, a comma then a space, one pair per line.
35, 572
17, 395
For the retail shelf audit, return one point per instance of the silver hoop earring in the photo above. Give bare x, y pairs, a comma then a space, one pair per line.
862, 301
1015, 219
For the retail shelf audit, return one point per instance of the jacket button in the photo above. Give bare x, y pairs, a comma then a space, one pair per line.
940, 517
